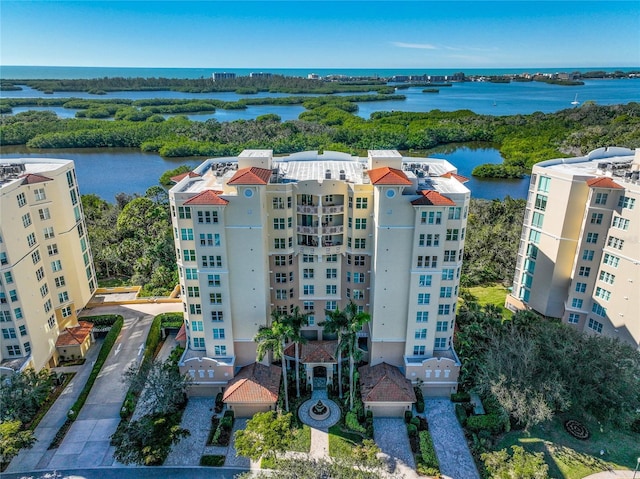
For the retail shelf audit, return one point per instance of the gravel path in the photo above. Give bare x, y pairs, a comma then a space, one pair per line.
449, 441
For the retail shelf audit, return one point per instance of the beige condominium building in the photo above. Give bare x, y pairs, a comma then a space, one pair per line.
46, 268
258, 233
579, 256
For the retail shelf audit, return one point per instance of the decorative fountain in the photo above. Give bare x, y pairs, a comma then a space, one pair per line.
319, 411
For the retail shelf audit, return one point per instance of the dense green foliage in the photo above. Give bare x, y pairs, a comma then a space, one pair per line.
426, 460
170, 320
12, 439
528, 366
265, 435
241, 84
329, 123
493, 236
108, 343
102, 321
519, 465
139, 247
23, 394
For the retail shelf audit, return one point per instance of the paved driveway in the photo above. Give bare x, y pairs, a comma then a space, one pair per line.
390, 434
449, 441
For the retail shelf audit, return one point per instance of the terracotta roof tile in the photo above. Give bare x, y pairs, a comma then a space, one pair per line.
251, 176
603, 182
182, 334
207, 197
315, 352
31, 178
432, 198
179, 177
75, 335
388, 176
385, 383
255, 383
460, 178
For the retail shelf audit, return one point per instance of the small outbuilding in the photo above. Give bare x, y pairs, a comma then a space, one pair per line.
254, 389
385, 391
74, 342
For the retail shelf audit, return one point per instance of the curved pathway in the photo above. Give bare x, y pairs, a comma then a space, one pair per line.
319, 429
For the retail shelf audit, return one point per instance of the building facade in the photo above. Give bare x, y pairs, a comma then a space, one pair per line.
257, 234
579, 256
46, 267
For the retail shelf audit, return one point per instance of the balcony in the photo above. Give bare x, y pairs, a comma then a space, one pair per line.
312, 210
308, 230
331, 210
332, 230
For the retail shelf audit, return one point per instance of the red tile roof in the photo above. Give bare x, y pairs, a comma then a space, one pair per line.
460, 178
31, 178
388, 176
385, 383
179, 177
182, 334
207, 197
315, 352
75, 335
255, 383
251, 176
603, 182
432, 198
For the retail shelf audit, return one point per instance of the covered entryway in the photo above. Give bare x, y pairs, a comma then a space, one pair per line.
319, 360
319, 378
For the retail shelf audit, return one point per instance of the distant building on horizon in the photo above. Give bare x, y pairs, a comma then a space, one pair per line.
46, 267
257, 234
579, 254
223, 76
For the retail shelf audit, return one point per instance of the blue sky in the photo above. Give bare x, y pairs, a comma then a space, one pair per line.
328, 34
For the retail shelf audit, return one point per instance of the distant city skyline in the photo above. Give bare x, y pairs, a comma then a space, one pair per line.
320, 34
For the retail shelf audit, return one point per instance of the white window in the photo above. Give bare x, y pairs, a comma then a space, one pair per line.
44, 214
22, 200
626, 202
31, 239
308, 273
574, 318
216, 316
620, 223
308, 289
332, 273
601, 198
219, 350
26, 220
331, 289
218, 333
420, 333
39, 194
592, 237
419, 350
52, 249
56, 265
424, 298
595, 325
422, 316
425, 280
440, 343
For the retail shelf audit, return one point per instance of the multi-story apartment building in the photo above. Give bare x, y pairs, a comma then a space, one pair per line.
257, 233
579, 257
46, 268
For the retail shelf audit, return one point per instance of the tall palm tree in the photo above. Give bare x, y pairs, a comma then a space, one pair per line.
296, 320
336, 323
274, 338
355, 320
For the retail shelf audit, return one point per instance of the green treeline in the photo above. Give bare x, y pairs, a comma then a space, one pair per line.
241, 85
330, 123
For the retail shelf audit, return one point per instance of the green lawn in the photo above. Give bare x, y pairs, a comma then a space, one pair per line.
302, 440
570, 458
492, 294
342, 442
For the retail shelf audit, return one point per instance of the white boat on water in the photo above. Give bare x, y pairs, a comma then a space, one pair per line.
575, 100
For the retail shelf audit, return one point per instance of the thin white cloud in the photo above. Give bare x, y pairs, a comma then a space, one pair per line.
423, 46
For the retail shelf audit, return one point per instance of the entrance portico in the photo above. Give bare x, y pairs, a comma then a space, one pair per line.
319, 360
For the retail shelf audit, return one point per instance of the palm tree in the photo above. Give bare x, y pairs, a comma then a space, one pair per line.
274, 338
355, 321
336, 323
296, 320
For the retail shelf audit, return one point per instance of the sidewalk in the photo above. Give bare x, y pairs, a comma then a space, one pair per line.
613, 475
38, 456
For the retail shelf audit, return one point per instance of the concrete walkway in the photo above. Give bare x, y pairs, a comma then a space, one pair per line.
319, 429
449, 442
613, 475
38, 456
87, 443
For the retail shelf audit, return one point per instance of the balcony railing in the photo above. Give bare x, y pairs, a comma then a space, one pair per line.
332, 230
309, 230
330, 210
313, 210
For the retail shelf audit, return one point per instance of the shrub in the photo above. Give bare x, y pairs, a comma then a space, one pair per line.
461, 414
219, 404
351, 421
492, 422
370, 416
412, 429
427, 460
102, 321
424, 425
408, 415
214, 428
414, 442
212, 461
415, 421
635, 425
460, 397
171, 320
420, 405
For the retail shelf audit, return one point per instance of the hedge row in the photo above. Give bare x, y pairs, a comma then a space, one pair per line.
109, 341
171, 320
427, 461
103, 320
